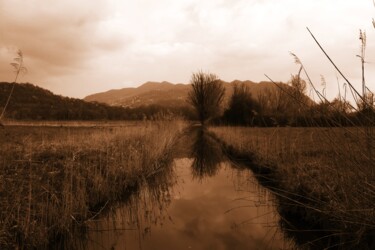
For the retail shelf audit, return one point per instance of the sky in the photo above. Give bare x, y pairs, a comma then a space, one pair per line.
76, 48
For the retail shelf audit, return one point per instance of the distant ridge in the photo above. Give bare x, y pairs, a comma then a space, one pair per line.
30, 102
164, 93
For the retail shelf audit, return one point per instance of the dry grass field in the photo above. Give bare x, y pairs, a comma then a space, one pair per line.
55, 178
329, 171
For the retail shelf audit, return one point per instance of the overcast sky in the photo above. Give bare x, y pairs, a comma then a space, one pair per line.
76, 48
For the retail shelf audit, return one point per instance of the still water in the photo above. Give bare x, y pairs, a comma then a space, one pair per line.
202, 202
226, 211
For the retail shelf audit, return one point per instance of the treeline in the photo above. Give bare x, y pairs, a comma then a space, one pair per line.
288, 105
30, 102
283, 105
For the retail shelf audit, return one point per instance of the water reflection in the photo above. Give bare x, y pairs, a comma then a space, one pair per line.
201, 202
207, 154
133, 218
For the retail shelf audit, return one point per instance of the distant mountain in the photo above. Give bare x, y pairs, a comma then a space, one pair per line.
30, 102
150, 93
164, 94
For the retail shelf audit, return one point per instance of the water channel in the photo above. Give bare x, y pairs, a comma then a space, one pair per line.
203, 201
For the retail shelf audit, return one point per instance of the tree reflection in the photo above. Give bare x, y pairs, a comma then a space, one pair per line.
207, 154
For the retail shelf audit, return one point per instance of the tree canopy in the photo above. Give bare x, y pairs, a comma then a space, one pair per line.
206, 95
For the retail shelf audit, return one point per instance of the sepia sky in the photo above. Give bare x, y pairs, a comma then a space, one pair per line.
76, 48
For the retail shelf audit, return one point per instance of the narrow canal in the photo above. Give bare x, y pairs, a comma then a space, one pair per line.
202, 202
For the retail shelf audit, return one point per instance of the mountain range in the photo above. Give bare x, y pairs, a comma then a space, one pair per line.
164, 94
148, 100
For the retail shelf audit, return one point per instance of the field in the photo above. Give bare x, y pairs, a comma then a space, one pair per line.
325, 176
54, 179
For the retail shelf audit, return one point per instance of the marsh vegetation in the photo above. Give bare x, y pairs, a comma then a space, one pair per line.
323, 178
65, 187
56, 179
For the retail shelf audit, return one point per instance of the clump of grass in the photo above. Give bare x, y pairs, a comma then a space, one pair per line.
328, 171
54, 179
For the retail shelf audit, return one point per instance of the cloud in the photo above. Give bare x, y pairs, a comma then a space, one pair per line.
56, 38
81, 47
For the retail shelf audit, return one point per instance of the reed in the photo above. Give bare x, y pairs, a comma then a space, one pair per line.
54, 180
328, 170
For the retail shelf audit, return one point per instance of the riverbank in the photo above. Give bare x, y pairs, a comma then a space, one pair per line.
55, 179
323, 177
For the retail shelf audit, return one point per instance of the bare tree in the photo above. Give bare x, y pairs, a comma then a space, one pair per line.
298, 87
275, 100
206, 95
297, 94
242, 106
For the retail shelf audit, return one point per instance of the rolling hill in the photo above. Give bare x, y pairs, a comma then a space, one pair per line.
164, 94
30, 102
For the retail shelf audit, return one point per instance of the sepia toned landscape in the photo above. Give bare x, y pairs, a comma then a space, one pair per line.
187, 125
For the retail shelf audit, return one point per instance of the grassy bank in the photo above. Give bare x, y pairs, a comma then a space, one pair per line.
53, 179
327, 174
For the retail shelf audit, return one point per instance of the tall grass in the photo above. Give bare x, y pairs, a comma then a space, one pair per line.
54, 180
324, 175
328, 170
144, 208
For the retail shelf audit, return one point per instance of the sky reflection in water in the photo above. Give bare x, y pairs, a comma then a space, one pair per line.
224, 211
